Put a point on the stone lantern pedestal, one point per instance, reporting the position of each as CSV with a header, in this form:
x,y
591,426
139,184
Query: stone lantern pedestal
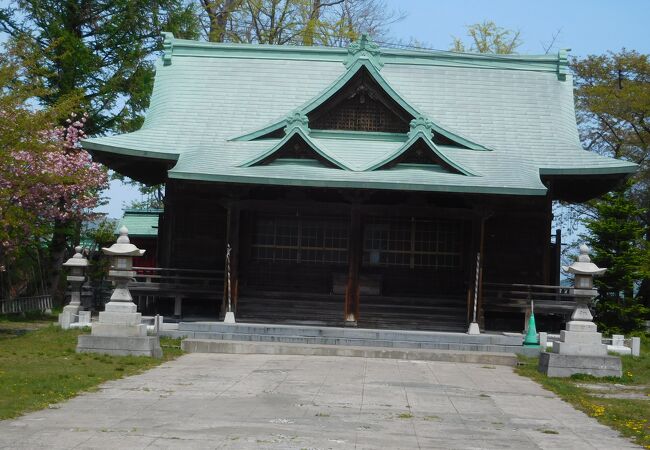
x,y
580,348
119,330
76,278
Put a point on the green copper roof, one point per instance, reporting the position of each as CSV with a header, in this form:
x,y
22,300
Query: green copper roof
x,y
213,105
140,222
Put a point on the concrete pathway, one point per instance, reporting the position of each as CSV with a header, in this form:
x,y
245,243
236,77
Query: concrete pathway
x,y
296,402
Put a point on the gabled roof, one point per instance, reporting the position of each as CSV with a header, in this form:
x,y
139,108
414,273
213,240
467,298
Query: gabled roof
x,y
296,127
421,131
218,110
353,68
140,222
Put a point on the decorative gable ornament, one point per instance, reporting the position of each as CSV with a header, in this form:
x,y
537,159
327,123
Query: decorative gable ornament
x,y
297,120
168,48
563,63
421,125
364,49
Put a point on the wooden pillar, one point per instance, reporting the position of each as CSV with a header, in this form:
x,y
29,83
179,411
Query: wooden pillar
x,y
355,249
232,239
557,257
166,224
547,276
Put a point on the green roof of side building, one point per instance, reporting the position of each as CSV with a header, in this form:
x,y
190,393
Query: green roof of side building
x,y
140,222
217,109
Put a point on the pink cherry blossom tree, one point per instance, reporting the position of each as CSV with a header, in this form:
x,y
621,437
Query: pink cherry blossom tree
x,y
45,178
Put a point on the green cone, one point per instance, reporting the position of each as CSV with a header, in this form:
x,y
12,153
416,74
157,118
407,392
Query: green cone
x,y
531,337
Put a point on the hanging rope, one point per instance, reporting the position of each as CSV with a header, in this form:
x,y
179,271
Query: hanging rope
x,y
478,268
228,249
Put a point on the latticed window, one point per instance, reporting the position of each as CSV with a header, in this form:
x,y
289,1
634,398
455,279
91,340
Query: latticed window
x,y
361,105
361,113
413,243
300,240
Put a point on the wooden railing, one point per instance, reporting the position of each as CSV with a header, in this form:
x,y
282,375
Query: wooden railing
x,y
517,298
173,281
153,283
26,304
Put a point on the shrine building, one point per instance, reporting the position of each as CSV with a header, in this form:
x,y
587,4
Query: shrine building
x,y
359,185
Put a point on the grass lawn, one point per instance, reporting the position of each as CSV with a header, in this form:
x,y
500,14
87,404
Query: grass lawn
x,y
621,403
39,366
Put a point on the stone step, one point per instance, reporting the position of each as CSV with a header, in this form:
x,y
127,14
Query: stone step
x,y
276,348
355,342
348,333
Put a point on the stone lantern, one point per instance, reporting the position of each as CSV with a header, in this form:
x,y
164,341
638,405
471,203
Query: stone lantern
x,y
580,348
584,272
119,330
76,278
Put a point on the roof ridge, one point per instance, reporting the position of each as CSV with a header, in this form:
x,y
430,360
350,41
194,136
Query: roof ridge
x,y
186,47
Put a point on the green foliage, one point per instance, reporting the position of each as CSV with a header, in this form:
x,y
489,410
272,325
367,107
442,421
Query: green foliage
x,y
99,50
487,37
102,235
613,102
612,93
41,368
616,240
620,316
23,237
628,416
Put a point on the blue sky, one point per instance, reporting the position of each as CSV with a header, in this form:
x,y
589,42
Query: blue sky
x,y
585,26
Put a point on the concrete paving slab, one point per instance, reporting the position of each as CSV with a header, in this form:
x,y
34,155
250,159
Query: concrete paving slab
x,y
225,401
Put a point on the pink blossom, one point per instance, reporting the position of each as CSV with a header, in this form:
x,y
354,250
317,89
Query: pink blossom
x,y
39,187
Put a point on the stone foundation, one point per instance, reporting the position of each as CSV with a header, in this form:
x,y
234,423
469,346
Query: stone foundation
x,y
556,365
121,346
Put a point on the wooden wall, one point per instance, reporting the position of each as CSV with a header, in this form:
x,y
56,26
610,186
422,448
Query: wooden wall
x,y
516,237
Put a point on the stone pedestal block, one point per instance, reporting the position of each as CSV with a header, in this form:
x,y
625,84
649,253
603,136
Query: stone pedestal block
x,y
118,318
68,316
577,348
84,318
121,346
557,365
118,330
582,338
473,329
586,327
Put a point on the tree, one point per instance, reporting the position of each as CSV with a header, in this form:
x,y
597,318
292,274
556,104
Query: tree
x,y
612,93
152,196
98,52
44,176
299,22
616,240
99,49
487,37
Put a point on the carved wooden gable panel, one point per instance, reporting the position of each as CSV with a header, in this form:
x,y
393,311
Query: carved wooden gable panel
x,y
361,105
